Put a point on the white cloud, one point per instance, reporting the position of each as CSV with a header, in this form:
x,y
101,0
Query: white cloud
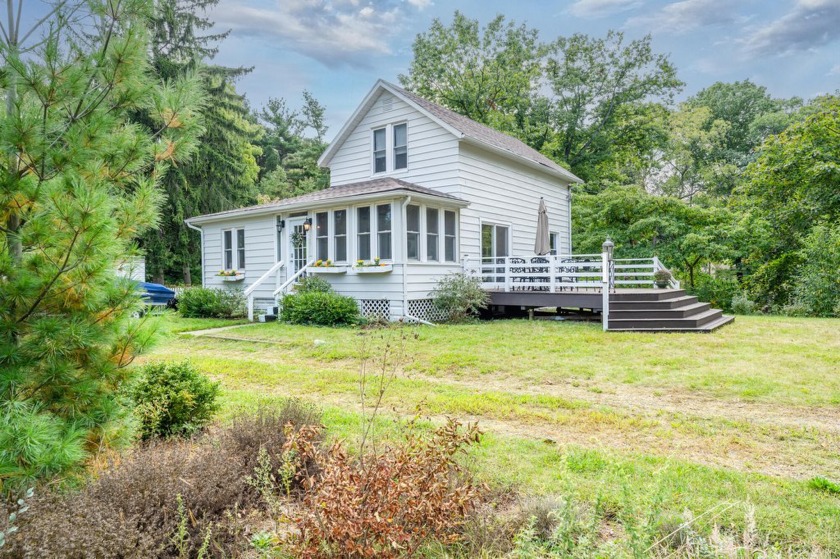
x,y
687,15
335,33
420,4
835,70
601,8
810,24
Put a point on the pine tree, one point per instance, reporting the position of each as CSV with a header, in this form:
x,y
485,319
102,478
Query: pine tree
x,y
78,184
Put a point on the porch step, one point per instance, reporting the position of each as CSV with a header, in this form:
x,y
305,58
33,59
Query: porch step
x,y
647,295
723,320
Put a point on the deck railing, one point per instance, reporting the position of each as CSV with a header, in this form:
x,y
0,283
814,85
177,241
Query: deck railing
x,y
561,272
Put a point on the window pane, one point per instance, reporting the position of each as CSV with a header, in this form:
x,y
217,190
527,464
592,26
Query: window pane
x,y
501,241
432,225
486,241
340,222
432,228
412,216
379,151
322,248
449,248
363,220
383,217
400,147
240,245
322,224
364,246
449,223
413,246
228,249
385,246
341,249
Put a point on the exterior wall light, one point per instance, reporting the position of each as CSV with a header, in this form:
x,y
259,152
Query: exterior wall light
x,y
307,225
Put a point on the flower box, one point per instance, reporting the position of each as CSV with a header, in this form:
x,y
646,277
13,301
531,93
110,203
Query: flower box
x,y
233,278
381,269
328,269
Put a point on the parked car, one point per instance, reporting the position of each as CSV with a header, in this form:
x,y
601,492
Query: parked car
x,y
155,294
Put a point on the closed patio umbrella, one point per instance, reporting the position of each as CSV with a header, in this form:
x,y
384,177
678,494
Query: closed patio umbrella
x,y
542,245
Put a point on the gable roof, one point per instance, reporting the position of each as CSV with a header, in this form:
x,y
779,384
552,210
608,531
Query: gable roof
x,y
384,185
458,125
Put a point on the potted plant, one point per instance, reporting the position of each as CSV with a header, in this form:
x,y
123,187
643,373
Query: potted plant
x,y
327,267
662,278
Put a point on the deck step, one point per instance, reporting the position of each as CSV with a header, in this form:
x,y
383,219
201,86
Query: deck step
x,y
647,295
650,305
691,322
643,312
723,320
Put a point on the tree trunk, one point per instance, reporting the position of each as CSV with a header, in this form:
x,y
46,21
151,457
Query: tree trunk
x,y
187,274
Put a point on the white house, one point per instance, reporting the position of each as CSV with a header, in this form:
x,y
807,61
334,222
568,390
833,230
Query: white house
x,y
413,184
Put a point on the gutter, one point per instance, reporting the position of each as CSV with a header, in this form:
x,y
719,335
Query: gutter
x,y
200,230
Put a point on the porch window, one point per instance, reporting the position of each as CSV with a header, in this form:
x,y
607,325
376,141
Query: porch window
x,y
449,237
400,146
379,158
233,256
432,236
412,228
363,233
322,235
554,243
383,230
340,218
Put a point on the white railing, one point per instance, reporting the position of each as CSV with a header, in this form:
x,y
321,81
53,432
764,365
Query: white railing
x,y
560,272
290,281
249,292
673,283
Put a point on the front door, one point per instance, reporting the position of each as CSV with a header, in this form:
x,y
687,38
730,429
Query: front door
x,y
297,242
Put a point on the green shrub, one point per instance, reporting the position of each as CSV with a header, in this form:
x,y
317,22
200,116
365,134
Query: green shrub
x,y
822,484
202,302
313,284
173,399
459,297
719,290
741,304
322,309
816,289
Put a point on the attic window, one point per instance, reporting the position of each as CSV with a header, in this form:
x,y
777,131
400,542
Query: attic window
x,y
379,144
400,146
390,148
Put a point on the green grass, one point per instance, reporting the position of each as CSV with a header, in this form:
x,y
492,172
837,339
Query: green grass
x,y
170,323
745,417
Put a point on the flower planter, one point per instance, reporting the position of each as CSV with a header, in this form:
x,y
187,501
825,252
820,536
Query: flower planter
x,y
231,279
381,269
328,269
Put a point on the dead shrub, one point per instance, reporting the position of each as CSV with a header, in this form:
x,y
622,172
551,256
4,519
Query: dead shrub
x,y
385,504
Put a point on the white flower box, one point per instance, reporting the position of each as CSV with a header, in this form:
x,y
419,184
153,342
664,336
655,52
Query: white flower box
x,y
381,269
230,279
327,269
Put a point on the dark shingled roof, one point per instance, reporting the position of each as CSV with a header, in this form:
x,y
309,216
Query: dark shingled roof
x,y
482,133
374,186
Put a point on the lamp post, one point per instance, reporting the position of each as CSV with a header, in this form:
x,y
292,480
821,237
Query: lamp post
x,y
606,277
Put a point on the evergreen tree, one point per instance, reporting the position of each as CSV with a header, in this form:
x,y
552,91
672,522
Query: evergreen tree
x,y
78,184
223,173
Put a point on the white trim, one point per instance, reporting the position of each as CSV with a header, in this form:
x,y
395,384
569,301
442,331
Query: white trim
x,y
482,223
234,257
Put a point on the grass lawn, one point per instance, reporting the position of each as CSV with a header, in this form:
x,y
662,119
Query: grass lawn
x,y
728,422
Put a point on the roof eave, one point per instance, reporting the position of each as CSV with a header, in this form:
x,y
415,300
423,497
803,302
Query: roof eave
x,y
319,204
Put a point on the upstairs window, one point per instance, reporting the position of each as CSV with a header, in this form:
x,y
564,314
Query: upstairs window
x,y
401,146
379,156
390,148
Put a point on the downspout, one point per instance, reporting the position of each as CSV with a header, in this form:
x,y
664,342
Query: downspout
x,y
405,256
200,230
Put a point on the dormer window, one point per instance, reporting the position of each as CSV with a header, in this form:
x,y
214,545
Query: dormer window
x,y
390,148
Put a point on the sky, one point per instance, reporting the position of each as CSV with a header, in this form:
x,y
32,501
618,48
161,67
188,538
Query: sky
x,y
337,49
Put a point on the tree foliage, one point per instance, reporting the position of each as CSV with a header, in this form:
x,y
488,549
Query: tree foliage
x,y
79,185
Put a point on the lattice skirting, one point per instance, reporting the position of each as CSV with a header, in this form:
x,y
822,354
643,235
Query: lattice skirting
x,y
375,308
425,309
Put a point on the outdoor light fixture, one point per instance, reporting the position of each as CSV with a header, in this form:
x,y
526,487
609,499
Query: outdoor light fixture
x,y
307,225
281,223
608,247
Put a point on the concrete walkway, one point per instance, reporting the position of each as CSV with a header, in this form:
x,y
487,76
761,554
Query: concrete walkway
x,y
210,331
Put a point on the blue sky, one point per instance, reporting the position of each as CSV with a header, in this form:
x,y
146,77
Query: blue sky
x,y
337,49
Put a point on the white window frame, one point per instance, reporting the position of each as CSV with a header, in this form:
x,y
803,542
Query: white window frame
x,y
456,213
234,246
482,223
389,148
334,236
437,234
554,236
375,210
371,232
318,237
419,233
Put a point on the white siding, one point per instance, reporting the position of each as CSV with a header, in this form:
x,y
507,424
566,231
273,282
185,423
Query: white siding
x,y
422,278
507,193
260,251
432,150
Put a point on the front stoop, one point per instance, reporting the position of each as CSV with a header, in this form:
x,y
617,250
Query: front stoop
x,y
663,310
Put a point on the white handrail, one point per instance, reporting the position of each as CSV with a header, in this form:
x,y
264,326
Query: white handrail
x,y
249,293
292,279
263,277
